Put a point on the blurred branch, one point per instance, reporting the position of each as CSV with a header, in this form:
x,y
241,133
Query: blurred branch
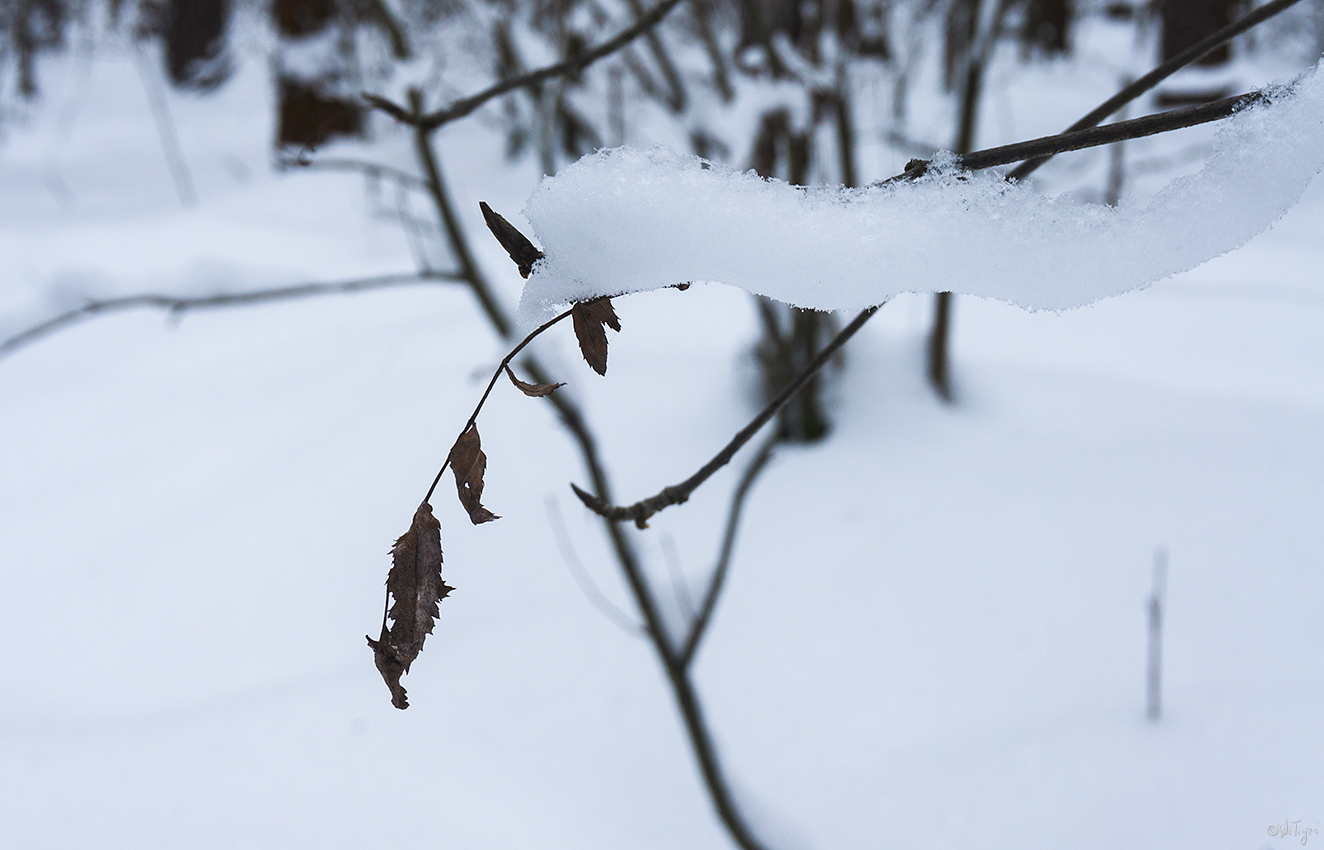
x,y
1161,73
595,596
676,494
382,15
567,67
699,625
369,169
177,305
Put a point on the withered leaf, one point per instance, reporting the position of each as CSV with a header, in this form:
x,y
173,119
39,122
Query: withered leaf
x,y
415,587
469,463
532,390
517,245
591,320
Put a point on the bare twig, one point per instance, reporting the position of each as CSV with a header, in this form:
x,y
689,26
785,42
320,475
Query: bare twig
x,y
496,376
680,587
676,494
165,129
373,170
699,624
182,304
682,688
568,67
1161,73
591,591
676,98
1120,131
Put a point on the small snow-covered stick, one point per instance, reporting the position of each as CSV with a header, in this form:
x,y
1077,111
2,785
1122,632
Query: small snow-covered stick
x,y
640,511
1161,73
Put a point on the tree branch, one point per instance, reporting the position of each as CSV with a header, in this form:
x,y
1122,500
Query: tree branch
x,y
1161,73
182,304
700,622
568,67
1120,131
678,493
368,169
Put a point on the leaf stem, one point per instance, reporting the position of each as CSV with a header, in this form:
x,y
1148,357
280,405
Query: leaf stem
x,y
496,375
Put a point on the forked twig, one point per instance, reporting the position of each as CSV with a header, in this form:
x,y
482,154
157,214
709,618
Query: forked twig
x,y
676,494
718,579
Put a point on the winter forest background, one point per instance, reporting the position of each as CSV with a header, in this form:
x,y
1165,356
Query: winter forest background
x,y
992,578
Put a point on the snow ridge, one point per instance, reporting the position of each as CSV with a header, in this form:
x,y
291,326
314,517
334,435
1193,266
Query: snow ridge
x,y
628,220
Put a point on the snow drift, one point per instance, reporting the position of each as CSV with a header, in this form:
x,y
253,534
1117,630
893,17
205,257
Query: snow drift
x,y
628,220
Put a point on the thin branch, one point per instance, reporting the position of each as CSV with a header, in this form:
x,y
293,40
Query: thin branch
x,y
680,588
700,623
1160,73
677,98
591,591
181,304
165,129
687,699
496,376
567,67
676,494
368,169
1093,137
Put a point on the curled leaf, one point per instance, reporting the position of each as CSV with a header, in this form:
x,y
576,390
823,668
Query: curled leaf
x,y
591,320
517,245
469,463
532,390
414,587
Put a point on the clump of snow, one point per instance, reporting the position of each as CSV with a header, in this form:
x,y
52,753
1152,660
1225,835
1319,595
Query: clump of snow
x,y
628,220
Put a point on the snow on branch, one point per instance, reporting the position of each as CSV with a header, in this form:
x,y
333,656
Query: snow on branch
x,y
627,220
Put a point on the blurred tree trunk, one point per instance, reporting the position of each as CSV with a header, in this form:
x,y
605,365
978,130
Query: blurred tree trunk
x,y
195,43
1184,22
1047,27
315,73
32,25
792,337
965,68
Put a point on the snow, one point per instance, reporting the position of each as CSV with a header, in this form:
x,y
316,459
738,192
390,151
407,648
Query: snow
x,y
628,220
937,642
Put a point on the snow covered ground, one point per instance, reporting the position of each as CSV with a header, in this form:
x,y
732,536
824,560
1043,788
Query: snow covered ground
x,y
934,634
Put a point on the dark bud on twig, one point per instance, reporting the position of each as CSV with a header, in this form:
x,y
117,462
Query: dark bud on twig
x,y
416,586
517,245
591,320
532,390
469,463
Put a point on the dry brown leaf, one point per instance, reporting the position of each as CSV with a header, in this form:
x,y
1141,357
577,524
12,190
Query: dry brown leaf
x,y
469,463
517,245
532,390
591,320
415,587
